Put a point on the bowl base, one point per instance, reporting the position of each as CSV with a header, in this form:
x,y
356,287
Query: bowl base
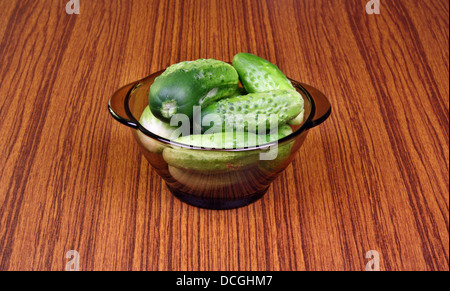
x,y
217,203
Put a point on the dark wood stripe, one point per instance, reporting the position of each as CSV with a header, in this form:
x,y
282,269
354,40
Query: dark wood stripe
x,y
403,157
14,197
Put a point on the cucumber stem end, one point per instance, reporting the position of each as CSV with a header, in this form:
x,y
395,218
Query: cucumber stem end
x,y
169,108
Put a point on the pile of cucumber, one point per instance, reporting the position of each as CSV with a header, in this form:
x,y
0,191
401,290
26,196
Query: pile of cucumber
x,y
265,103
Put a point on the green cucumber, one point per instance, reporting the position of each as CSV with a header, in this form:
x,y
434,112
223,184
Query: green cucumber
x,y
259,75
239,91
228,140
297,120
219,161
283,151
206,161
191,83
252,111
284,130
156,126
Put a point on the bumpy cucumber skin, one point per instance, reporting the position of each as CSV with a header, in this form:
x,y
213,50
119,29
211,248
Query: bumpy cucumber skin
x,y
231,140
191,83
249,110
258,74
219,161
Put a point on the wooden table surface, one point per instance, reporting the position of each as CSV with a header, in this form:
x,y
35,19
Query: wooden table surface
x,y
374,176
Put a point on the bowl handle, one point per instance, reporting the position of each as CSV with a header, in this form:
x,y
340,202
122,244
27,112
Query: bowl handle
x,y
116,106
322,106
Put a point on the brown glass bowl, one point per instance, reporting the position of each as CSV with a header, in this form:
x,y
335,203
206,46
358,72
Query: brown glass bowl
x,y
219,178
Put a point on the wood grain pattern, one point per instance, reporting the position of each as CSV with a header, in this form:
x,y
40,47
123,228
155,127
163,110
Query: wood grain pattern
x,y
372,177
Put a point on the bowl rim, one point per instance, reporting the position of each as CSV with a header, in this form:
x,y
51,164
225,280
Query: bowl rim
x,y
306,125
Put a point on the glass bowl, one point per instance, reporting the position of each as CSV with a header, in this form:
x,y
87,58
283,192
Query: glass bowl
x,y
214,178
